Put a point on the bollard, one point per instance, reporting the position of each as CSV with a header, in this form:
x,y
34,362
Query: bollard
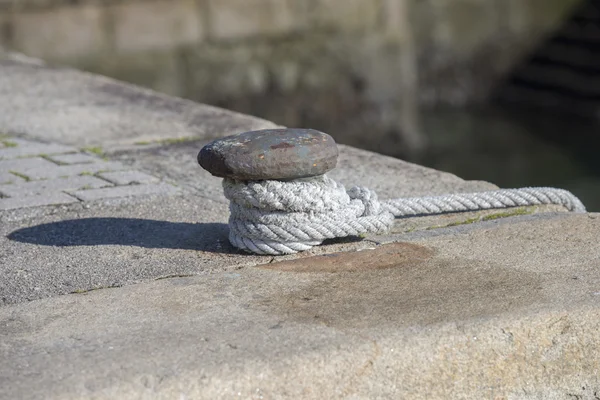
x,y
271,154
281,201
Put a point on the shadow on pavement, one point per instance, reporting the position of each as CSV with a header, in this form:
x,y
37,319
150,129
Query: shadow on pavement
x,y
129,232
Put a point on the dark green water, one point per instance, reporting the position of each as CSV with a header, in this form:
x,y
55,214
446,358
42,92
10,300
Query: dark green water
x,y
515,149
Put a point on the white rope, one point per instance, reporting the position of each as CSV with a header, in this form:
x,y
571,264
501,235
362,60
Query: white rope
x,y
285,217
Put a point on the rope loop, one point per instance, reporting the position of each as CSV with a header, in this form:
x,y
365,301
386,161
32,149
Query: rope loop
x,y
285,217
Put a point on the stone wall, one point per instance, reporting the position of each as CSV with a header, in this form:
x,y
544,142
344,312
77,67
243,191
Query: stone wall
x,y
338,65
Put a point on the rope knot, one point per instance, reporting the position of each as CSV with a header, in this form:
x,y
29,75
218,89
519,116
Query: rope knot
x,y
368,198
283,217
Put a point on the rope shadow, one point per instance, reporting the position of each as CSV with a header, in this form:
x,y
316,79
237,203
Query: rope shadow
x,y
147,233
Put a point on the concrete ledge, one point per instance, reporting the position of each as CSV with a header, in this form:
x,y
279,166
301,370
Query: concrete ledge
x,y
142,296
486,314
73,107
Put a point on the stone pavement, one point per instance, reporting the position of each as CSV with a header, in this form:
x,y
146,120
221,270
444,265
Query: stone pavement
x,y
123,292
39,174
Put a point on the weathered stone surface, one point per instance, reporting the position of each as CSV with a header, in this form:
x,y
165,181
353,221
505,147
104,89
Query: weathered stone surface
x,y
156,25
499,310
505,308
391,255
168,235
270,154
235,19
77,158
23,165
52,186
38,200
73,107
7,177
128,177
59,171
60,33
22,148
125,191
346,14
42,180
459,30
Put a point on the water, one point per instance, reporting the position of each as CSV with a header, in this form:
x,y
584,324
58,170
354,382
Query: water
x,y
514,149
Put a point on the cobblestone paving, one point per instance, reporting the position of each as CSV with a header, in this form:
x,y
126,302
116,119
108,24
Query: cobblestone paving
x,y
38,174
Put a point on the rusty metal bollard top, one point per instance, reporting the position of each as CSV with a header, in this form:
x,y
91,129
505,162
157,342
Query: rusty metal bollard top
x,y
270,154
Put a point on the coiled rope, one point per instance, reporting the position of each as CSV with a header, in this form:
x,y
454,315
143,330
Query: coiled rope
x,y
285,217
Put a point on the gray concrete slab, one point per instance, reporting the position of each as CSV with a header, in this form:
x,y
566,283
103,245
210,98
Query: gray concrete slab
x,y
58,171
74,248
33,188
36,200
36,179
72,107
7,177
125,191
390,177
136,239
24,165
503,310
77,158
128,177
22,148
